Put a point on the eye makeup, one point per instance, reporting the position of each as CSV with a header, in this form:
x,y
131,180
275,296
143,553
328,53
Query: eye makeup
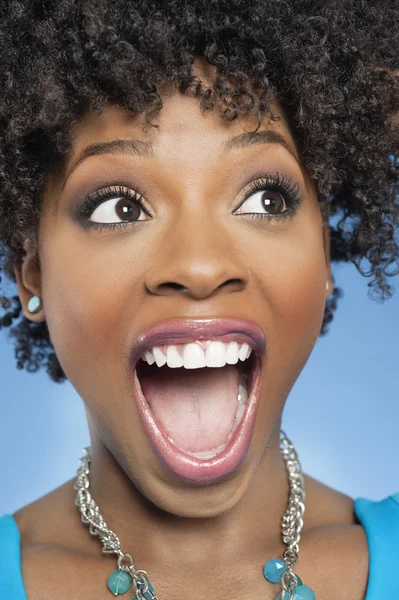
x,y
275,183
94,199
288,189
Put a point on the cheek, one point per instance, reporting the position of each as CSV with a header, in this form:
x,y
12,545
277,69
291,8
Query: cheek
x,y
92,291
89,299
298,290
293,283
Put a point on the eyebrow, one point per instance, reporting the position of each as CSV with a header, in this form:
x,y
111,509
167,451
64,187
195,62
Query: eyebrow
x,y
258,137
132,147
126,147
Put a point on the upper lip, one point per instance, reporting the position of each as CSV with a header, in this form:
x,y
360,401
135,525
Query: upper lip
x,y
183,331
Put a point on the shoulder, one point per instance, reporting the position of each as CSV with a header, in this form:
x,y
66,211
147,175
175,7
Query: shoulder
x,y
380,520
333,548
50,572
53,560
336,560
49,520
30,517
359,537
11,583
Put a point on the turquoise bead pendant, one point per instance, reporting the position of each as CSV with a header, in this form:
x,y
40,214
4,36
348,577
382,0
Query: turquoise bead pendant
x,y
119,582
301,592
273,570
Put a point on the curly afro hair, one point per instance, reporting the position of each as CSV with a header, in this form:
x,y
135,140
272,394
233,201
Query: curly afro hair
x,y
331,65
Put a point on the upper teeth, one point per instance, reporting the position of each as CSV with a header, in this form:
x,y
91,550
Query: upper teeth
x,y
196,355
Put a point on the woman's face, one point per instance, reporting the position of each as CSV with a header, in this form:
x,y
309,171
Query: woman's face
x,y
193,253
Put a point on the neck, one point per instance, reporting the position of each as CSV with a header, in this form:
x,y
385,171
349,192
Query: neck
x,y
253,524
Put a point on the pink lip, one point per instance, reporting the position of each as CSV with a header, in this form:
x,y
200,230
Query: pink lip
x,y
183,465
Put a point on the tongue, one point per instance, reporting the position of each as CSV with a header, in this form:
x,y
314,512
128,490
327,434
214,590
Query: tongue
x,y
195,408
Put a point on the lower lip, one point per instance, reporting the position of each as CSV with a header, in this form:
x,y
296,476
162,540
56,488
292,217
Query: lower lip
x,y
187,467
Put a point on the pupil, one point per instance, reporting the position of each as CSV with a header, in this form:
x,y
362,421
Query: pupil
x,y
124,209
271,202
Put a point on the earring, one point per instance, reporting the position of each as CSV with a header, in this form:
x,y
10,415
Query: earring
x,y
35,304
327,285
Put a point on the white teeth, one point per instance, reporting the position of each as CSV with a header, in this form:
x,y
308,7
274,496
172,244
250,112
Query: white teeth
x,y
173,358
242,403
215,354
242,353
198,354
232,353
193,356
159,356
149,357
240,412
242,394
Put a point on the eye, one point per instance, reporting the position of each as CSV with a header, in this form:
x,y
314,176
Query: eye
x,y
268,200
272,197
113,206
124,209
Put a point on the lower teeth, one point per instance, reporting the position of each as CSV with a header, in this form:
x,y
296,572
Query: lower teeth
x,y
240,412
242,405
242,393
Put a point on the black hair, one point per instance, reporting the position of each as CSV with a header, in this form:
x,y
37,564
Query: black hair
x,y
331,65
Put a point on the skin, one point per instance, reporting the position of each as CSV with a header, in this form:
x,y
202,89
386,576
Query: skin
x,y
100,289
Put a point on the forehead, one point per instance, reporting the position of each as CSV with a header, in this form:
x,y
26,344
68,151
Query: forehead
x,y
182,127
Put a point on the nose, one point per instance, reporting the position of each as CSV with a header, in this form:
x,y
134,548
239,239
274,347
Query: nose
x,y
197,261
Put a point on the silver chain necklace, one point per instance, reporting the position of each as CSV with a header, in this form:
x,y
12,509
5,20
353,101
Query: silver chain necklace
x,y
276,571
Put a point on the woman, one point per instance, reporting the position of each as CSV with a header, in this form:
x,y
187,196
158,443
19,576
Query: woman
x,y
168,171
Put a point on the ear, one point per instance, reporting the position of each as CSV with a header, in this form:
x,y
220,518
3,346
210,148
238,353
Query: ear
x,y
28,277
327,254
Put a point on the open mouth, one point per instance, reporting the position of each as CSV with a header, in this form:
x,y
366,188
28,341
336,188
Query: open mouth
x,y
198,407
197,402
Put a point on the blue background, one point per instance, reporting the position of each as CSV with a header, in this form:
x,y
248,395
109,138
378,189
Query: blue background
x,y
342,414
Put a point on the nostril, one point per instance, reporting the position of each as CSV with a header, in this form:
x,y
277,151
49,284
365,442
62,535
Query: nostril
x,y
173,285
231,285
199,269
236,284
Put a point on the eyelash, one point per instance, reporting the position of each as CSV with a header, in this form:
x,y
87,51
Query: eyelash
x,y
282,184
94,199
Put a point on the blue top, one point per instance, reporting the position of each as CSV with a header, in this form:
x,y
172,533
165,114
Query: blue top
x,y
380,520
